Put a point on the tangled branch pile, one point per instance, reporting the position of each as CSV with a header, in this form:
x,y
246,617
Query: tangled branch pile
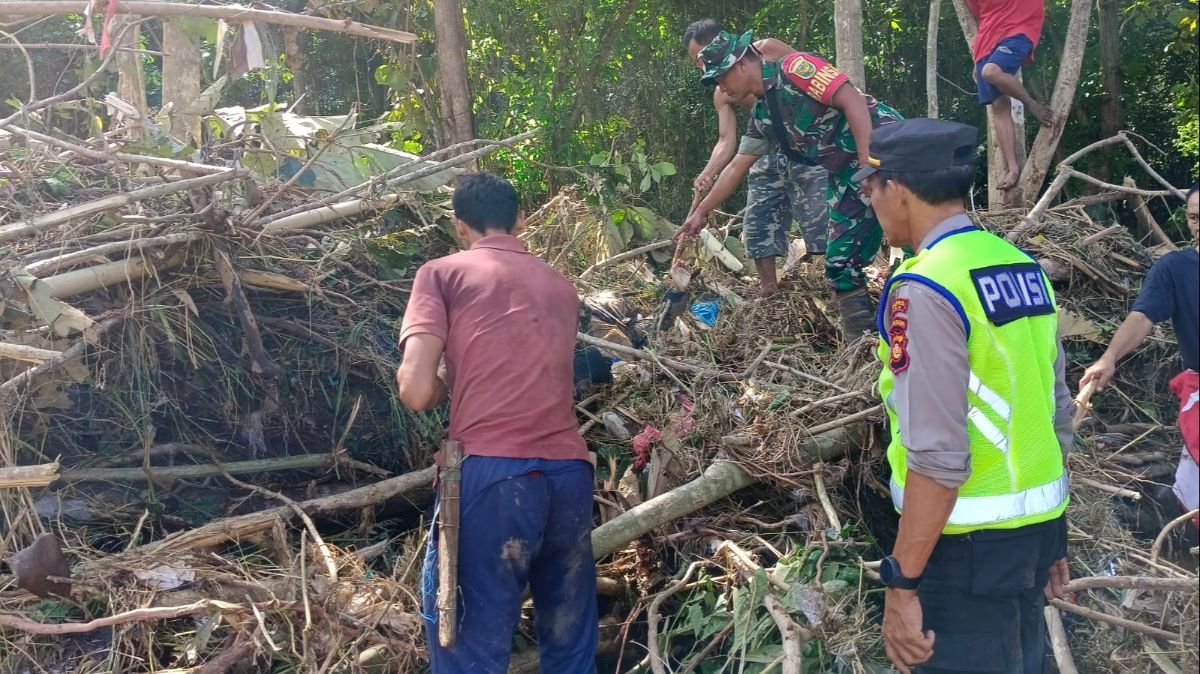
x,y
203,467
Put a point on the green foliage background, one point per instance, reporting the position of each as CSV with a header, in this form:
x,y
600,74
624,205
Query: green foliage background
x,y
610,76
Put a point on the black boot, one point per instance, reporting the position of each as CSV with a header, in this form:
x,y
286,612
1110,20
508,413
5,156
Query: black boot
x,y
858,314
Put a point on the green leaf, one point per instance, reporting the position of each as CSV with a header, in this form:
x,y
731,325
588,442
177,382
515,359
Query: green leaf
x,y
599,159
624,172
646,182
665,168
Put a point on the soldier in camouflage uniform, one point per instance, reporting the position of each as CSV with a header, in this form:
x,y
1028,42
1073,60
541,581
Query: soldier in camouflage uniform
x,y
821,119
779,190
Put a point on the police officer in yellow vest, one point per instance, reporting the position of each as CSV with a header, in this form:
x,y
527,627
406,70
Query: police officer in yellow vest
x,y
980,416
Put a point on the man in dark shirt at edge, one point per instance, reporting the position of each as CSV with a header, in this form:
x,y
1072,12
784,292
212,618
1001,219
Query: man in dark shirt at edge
x,y
1171,291
506,323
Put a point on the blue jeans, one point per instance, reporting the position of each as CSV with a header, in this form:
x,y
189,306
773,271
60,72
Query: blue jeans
x,y
1009,55
523,521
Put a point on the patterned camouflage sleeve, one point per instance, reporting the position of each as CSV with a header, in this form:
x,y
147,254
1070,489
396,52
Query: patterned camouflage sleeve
x,y
754,141
931,374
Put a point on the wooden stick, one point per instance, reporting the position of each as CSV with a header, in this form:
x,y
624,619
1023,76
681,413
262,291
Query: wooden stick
x,y
51,265
1113,620
793,634
1162,535
823,497
657,663
136,615
846,420
450,486
1083,404
300,462
621,257
1107,488
260,361
233,13
14,385
1138,204
234,528
1058,641
28,354
13,477
41,223
193,167
1132,583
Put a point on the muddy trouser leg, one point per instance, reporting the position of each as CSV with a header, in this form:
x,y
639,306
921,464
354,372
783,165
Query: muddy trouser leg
x,y
504,510
562,576
854,234
768,208
809,206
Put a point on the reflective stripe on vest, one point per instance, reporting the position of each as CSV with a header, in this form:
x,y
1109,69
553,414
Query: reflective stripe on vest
x,y
977,510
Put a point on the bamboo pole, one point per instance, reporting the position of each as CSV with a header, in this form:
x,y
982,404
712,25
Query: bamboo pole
x,y
233,13
52,264
139,473
100,155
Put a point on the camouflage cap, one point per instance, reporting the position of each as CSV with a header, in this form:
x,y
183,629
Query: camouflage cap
x,y
719,56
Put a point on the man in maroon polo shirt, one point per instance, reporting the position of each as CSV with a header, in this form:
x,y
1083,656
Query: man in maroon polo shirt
x,y
505,321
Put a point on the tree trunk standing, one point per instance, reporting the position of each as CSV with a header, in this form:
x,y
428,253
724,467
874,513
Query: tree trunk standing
x,y
1047,139
848,34
181,80
131,79
458,124
931,59
1110,67
805,14
997,199
294,59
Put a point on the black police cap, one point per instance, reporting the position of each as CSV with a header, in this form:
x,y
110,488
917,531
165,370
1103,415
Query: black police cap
x,y
918,145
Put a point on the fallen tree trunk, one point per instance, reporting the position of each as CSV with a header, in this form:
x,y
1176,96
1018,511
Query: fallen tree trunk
x,y
232,13
28,354
719,480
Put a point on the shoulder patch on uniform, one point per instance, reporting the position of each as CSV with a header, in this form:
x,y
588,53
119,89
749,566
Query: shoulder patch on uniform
x,y
898,335
803,68
1009,292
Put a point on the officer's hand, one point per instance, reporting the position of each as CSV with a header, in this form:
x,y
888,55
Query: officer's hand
x,y
1101,372
1060,575
691,227
906,644
703,184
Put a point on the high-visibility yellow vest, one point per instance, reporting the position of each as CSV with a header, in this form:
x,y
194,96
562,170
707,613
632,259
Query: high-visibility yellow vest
x,y
1008,311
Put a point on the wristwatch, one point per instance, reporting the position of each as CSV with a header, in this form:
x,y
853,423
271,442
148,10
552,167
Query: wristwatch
x,y
892,576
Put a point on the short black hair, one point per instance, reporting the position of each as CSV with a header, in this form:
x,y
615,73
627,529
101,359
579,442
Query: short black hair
x,y
702,31
1195,189
486,201
935,187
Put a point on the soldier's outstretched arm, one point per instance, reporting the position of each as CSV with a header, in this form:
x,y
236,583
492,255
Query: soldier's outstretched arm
x,y
853,105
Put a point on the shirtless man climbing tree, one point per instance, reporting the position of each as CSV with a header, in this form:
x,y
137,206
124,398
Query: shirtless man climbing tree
x,y
779,190
1008,33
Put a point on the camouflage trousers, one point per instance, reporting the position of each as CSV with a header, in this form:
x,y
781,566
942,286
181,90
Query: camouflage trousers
x,y
781,192
835,217
854,232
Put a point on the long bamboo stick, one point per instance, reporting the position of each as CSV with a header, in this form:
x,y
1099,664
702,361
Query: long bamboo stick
x,y
300,462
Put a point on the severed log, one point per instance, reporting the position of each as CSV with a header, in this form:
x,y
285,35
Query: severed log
x,y
28,476
719,480
87,279
28,354
41,223
234,528
232,13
